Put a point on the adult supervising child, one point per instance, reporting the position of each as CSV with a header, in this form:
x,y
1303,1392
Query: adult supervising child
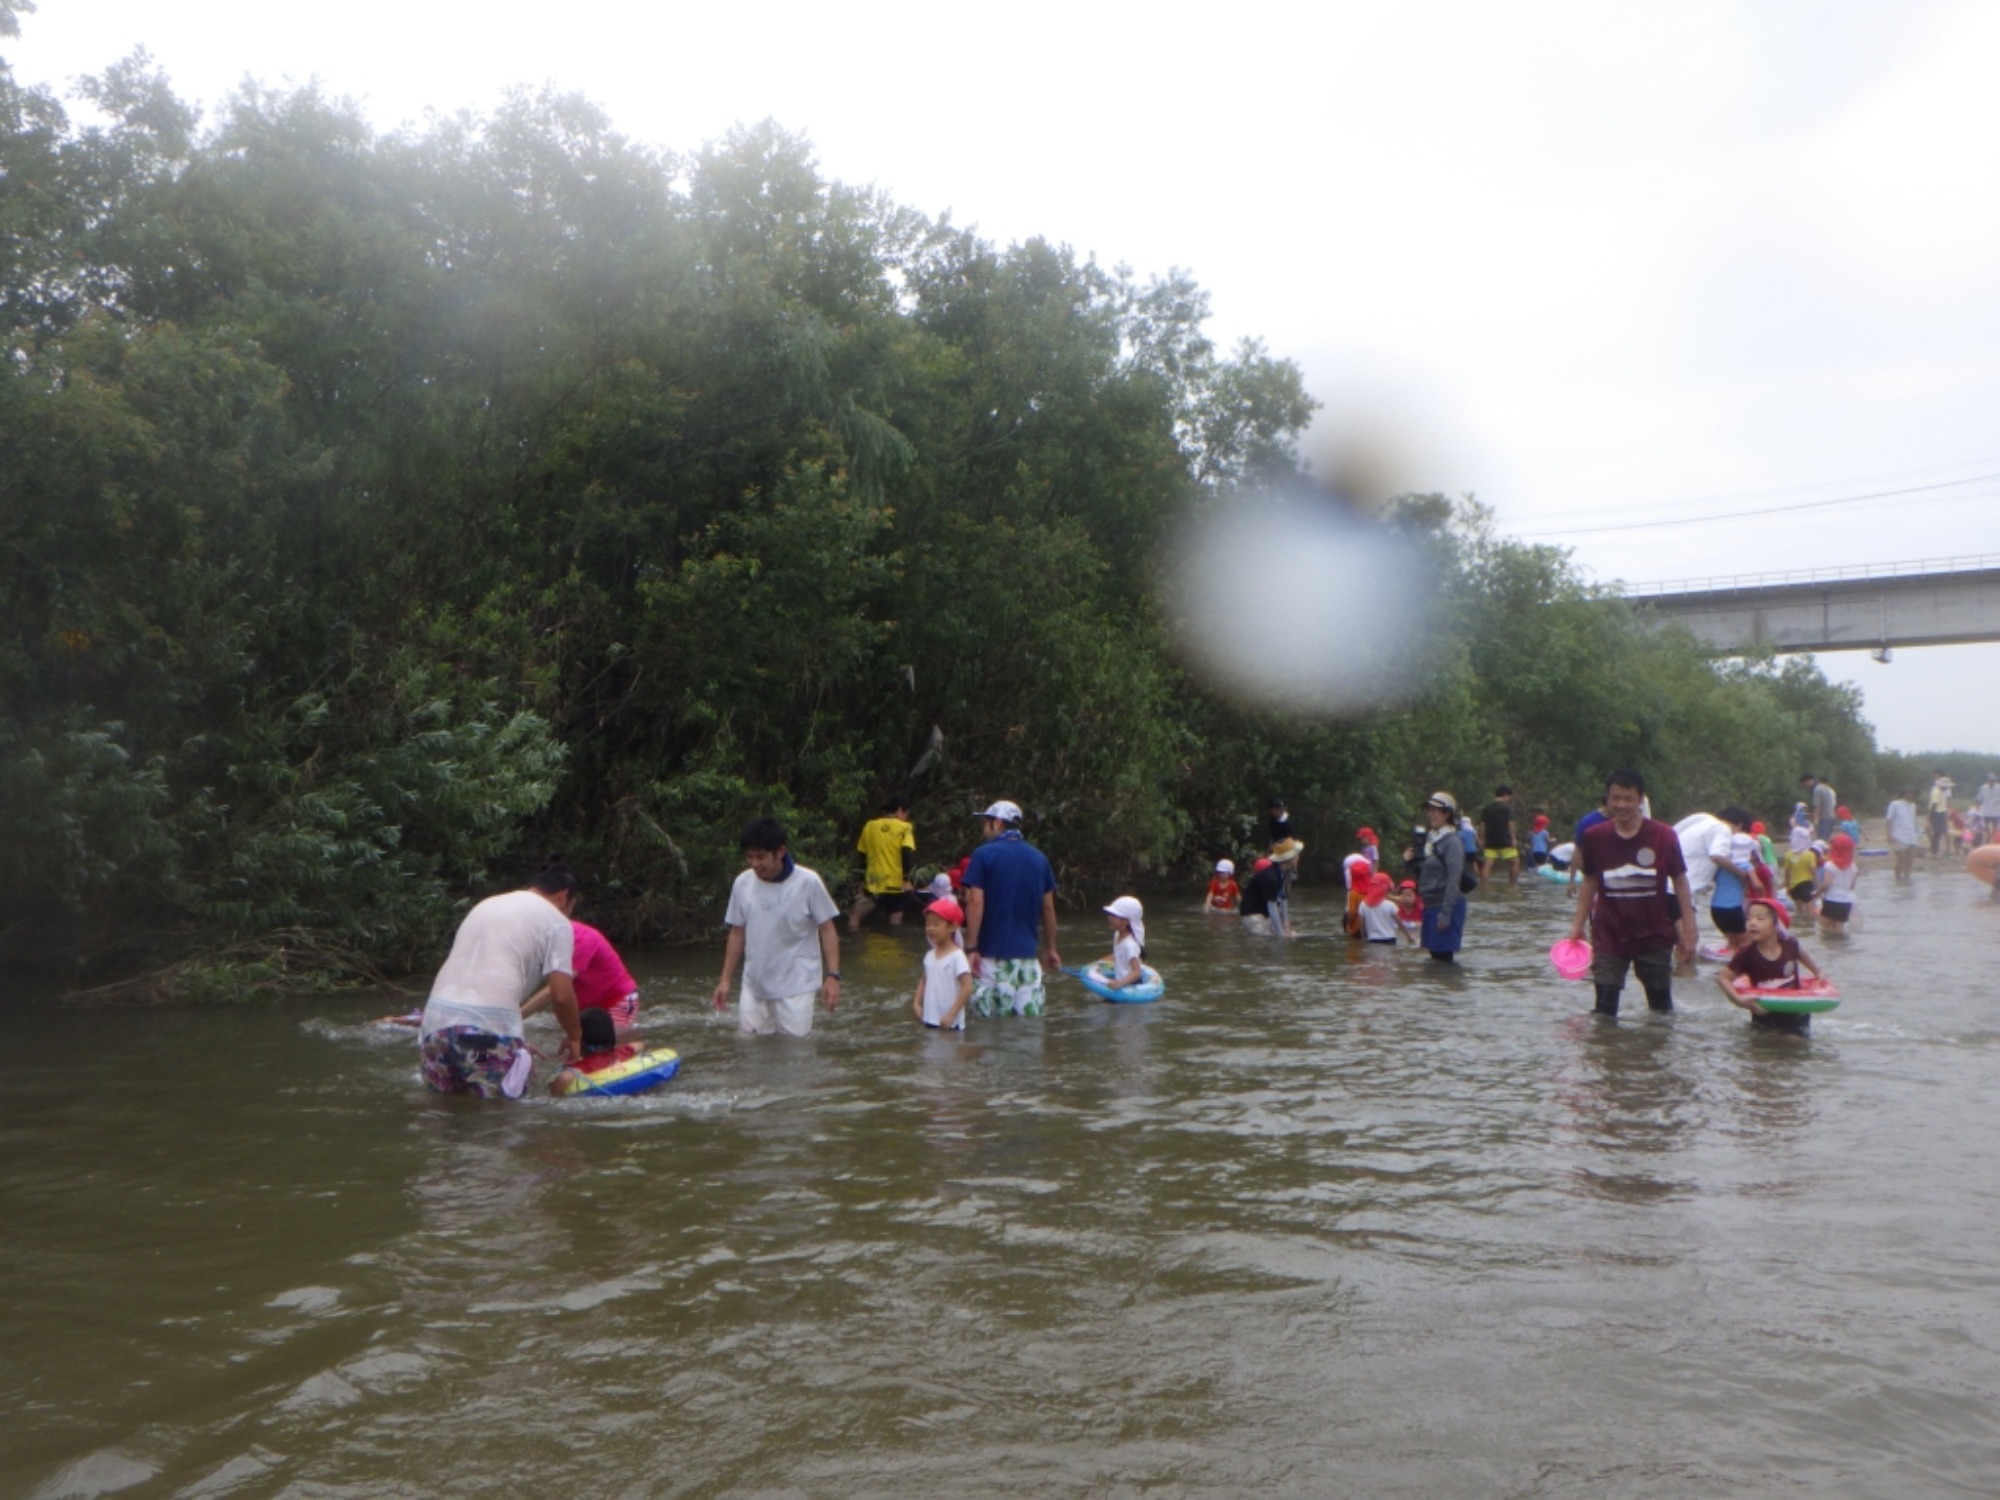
x,y
1630,865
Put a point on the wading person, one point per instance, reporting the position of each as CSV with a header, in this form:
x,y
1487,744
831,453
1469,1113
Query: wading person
x,y
889,844
1010,891
782,933
1496,828
1263,895
1939,805
1901,822
1825,806
601,979
1632,868
507,948
1440,878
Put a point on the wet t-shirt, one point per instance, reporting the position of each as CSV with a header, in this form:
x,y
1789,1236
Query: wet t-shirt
x,y
1634,876
1782,970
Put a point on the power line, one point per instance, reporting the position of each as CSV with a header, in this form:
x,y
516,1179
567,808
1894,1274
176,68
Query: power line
x,y
1769,510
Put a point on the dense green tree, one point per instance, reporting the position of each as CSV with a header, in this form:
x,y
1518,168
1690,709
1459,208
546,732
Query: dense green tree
x,y
380,513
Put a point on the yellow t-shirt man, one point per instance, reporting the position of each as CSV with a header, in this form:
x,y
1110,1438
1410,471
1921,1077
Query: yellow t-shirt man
x,y
883,841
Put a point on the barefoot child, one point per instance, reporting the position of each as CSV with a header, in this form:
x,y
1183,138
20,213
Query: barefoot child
x,y
1837,879
1127,919
945,985
1222,888
1772,957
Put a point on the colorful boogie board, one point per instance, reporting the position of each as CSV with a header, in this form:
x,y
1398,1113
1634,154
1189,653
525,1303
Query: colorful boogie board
x,y
1097,979
644,1070
1809,997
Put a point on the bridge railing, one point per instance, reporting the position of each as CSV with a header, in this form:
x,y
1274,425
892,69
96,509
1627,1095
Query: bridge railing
x,y
1852,573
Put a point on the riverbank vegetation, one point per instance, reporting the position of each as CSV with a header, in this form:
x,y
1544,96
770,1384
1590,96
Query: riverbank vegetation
x,y
381,512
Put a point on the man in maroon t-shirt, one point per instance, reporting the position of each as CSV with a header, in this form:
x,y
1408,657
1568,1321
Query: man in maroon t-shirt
x,y
1627,863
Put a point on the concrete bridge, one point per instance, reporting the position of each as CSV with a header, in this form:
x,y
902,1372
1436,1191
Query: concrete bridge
x,y
1941,602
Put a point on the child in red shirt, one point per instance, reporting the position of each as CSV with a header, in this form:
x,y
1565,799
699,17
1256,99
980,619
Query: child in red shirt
x,y
1222,888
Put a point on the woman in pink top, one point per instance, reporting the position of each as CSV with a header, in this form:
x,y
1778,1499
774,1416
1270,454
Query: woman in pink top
x,y
602,982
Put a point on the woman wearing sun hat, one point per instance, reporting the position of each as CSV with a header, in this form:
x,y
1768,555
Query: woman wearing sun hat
x,y
1440,863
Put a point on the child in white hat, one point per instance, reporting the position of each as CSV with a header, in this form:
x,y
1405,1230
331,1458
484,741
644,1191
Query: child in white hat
x,y
1222,888
1128,941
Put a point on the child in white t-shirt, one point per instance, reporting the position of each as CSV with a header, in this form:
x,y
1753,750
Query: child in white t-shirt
x,y
1127,919
945,984
1378,911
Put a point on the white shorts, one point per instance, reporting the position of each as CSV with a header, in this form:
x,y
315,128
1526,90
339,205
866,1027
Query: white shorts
x,y
791,1016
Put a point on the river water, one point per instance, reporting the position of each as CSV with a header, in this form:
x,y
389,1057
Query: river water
x,y
1325,1221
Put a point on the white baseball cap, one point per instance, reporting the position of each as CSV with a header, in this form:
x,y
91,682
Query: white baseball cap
x,y
1005,811
1225,867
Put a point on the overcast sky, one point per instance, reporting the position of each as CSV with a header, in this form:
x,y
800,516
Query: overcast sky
x,y
1595,264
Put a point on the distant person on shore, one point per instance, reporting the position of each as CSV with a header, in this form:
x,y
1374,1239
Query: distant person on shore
x,y
889,845
602,981
1496,822
1635,898
944,983
1223,891
506,948
1837,880
1825,803
1770,957
1441,871
1901,821
1939,805
1263,895
783,935
1010,892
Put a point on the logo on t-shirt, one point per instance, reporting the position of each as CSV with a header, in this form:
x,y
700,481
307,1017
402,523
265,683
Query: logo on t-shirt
x,y
1646,857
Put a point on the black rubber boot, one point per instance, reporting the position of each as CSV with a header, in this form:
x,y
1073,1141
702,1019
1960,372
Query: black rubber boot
x,y
1607,1000
1659,999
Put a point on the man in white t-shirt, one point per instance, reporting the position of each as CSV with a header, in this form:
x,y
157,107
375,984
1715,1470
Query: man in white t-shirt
x,y
506,949
782,932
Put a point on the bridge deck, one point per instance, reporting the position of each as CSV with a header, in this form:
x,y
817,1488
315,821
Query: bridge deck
x,y
1863,610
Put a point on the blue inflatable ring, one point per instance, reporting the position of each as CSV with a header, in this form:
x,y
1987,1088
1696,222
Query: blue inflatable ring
x,y
1097,979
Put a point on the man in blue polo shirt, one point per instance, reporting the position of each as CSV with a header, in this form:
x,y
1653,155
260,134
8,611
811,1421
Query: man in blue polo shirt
x,y
1010,897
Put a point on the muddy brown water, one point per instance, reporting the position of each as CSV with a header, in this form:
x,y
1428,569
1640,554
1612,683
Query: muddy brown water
x,y
1325,1221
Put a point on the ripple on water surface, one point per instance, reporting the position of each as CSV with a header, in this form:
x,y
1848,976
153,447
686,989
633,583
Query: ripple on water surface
x,y
1323,1221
